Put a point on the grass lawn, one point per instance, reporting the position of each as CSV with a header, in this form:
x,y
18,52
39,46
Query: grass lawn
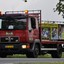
x,y
43,63
41,56
24,56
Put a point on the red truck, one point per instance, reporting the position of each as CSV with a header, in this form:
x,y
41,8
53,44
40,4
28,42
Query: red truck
x,y
21,33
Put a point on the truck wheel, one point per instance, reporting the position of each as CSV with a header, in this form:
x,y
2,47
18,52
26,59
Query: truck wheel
x,y
58,53
34,53
3,55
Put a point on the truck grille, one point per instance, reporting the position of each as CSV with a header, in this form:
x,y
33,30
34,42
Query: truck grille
x,y
14,39
4,39
9,39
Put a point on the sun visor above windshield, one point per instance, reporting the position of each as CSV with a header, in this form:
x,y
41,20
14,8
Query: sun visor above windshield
x,y
15,16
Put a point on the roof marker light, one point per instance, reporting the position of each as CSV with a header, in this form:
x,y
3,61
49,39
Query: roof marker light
x,y
26,11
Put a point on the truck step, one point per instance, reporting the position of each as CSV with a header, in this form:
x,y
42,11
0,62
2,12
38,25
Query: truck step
x,y
49,49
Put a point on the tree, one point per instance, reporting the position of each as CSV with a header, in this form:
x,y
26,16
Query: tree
x,y
25,0
60,7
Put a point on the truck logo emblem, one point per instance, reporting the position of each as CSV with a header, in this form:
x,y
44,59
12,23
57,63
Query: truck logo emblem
x,y
9,33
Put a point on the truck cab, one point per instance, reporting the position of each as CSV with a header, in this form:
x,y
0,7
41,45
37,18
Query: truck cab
x,y
19,33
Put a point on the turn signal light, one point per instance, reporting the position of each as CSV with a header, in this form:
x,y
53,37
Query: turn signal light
x,y
28,46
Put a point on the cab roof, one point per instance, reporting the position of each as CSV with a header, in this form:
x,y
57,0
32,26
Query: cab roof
x,y
15,16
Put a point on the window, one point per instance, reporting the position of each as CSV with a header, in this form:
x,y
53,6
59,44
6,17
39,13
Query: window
x,y
54,33
33,23
45,33
16,24
0,23
49,31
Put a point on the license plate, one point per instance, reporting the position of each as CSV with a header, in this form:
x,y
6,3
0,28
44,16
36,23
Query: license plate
x,y
9,46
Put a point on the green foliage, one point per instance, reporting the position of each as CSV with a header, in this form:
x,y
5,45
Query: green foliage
x,y
25,0
60,7
24,56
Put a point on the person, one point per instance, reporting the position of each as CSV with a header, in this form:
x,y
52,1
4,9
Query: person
x,y
54,33
45,33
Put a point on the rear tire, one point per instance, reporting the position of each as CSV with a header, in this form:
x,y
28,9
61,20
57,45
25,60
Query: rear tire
x,y
34,53
58,53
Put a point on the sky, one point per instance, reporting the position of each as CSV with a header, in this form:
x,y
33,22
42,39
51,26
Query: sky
x,y
46,6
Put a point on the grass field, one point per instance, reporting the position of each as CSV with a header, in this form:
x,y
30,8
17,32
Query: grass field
x,y
43,63
41,56
24,56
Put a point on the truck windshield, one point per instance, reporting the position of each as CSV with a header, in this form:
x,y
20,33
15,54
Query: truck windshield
x,y
16,24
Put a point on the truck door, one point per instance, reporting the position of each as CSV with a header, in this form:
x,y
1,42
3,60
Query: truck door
x,y
33,28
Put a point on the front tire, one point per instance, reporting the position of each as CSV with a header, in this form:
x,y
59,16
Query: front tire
x,y
3,55
34,53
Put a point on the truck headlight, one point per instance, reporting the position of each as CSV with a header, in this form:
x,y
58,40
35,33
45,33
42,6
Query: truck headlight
x,y
23,46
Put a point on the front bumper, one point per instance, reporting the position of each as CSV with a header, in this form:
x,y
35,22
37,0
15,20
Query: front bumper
x,y
13,48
